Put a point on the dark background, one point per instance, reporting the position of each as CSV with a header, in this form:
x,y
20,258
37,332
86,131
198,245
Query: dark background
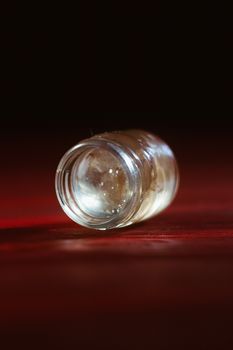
x,y
118,66
70,73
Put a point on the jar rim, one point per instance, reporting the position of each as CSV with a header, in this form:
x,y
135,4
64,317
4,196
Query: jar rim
x,y
64,192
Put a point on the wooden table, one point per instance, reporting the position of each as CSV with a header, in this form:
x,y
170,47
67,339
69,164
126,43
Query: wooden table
x,y
166,283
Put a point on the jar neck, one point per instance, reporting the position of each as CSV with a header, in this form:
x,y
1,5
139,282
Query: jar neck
x,y
131,166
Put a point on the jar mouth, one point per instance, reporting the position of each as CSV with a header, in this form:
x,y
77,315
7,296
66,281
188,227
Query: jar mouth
x,y
98,184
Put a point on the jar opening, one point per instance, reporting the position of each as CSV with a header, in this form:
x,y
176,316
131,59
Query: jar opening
x,y
100,184
97,184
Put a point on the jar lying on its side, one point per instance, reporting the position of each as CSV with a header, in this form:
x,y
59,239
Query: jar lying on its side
x,y
116,179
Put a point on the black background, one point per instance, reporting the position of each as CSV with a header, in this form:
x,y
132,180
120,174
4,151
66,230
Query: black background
x,y
71,73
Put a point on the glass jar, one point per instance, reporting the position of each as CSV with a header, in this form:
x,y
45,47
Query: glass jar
x,y
116,179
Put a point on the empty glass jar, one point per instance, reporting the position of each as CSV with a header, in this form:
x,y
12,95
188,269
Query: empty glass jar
x,y
116,179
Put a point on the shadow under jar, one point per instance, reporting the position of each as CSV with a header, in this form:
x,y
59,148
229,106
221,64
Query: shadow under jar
x,y
116,179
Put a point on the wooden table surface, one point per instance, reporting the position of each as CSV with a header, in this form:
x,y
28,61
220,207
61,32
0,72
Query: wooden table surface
x,y
166,282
